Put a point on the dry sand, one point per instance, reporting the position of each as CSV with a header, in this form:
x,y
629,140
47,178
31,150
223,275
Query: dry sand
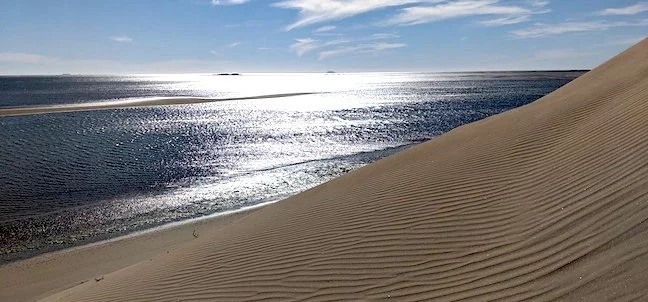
x,y
47,274
130,104
547,201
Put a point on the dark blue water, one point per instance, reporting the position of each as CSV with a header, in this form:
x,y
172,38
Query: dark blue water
x,y
74,178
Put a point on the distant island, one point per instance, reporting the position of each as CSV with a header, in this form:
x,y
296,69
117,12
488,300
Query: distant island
x,y
228,74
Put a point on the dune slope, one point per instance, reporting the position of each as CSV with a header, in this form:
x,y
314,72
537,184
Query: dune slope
x,y
547,201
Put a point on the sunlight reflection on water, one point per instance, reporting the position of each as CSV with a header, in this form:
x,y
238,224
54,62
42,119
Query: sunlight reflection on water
x,y
78,177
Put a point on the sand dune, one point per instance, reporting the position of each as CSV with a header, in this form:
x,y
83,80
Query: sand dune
x,y
547,201
130,104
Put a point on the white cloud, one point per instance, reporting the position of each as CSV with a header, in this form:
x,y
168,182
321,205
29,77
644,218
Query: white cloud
x,y
122,39
339,46
337,42
303,46
542,30
215,53
228,2
13,57
626,11
411,11
505,20
317,11
359,49
233,44
463,8
380,36
325,28
538,3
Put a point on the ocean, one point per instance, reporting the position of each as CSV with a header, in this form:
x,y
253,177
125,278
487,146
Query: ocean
x,y
73,178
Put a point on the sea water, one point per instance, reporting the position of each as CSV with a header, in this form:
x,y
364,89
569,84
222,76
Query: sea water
x,y
73,178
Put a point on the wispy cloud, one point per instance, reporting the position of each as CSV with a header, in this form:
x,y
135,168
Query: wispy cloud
x,y
219,51
13,57
559,54
42,60
380,36
538,3
337,42
228,2
304,45
42,64
373,43
412,11
625,11
542,30
325,28
318,11
122,39
628,41
462,8
506,20
359,49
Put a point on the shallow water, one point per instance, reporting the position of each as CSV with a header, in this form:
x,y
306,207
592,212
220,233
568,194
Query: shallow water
x,y
79,177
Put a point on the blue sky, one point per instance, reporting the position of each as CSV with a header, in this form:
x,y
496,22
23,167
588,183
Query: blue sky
x,y
176,36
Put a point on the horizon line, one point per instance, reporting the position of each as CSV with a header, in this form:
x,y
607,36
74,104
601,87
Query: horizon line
x,y
287,72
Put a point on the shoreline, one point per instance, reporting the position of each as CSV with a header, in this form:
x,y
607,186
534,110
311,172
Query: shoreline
x,y
136,233
107,238
32,110
83,263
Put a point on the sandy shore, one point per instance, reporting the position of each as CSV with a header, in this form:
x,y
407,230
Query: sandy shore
x,y
130,104
547,201
34,278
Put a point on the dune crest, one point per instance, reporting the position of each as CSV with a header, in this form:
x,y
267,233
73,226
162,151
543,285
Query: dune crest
x,y
547,201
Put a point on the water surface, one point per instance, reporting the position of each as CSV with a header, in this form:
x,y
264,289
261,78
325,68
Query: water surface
x,y
78,177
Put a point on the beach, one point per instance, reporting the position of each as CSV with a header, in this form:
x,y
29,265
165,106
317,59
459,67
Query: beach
x,y
547,201
31,279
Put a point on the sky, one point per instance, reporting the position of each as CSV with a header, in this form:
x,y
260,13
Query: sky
x,y
208,36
